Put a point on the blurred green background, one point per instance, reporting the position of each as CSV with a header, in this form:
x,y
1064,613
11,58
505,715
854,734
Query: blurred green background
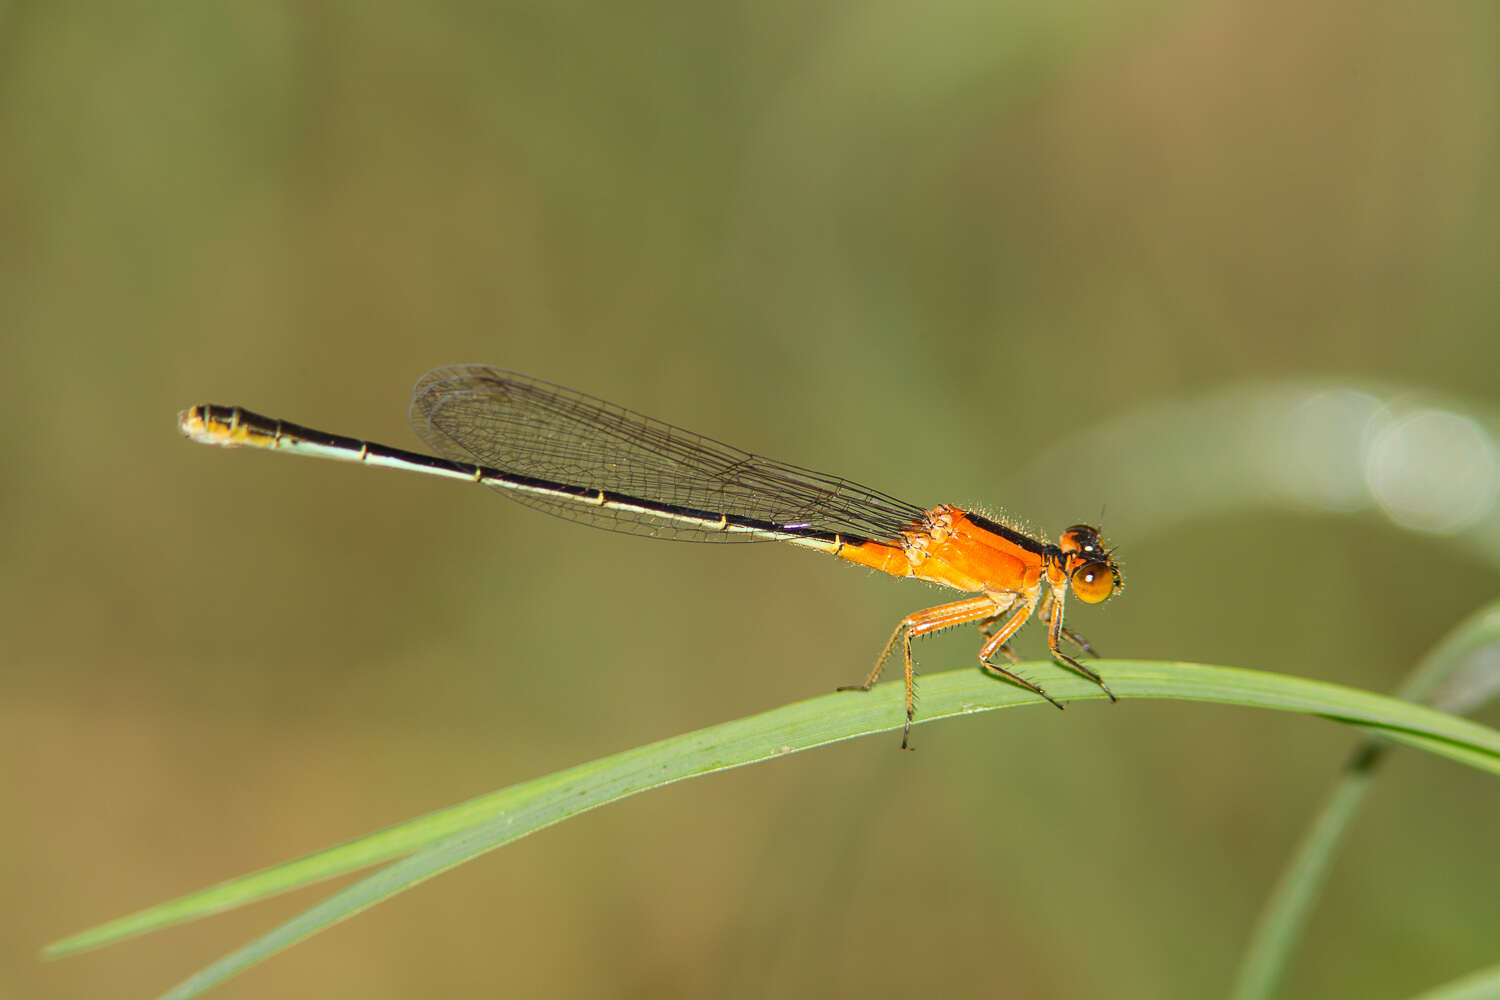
x,y
938,248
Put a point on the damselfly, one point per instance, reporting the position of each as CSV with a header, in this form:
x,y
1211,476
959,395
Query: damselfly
x,y
579,457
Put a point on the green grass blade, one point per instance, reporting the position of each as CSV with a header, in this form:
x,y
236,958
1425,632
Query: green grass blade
x,y
1291,901
1481,985
444,839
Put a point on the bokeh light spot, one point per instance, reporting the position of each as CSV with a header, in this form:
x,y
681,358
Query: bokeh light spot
x,y
1433,471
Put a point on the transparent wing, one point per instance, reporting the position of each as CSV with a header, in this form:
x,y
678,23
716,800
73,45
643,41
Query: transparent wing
x,y
524,426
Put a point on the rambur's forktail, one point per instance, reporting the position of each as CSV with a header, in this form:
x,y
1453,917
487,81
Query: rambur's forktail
x,y
579,457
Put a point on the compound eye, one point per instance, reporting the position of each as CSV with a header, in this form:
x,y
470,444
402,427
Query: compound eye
x,y
1093,582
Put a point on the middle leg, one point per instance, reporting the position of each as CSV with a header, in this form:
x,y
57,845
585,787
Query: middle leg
x,y
997,641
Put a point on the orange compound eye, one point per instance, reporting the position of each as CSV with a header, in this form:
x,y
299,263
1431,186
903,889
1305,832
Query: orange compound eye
x,y
1094,582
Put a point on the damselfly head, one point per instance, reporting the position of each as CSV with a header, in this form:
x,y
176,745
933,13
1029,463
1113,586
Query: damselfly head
x,y
1093,574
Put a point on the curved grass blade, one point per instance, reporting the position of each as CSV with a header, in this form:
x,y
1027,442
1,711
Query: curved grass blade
x,y
445,839
1481,985
1291,901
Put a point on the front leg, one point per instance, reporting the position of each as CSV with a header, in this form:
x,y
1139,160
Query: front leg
x,y
1055,633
